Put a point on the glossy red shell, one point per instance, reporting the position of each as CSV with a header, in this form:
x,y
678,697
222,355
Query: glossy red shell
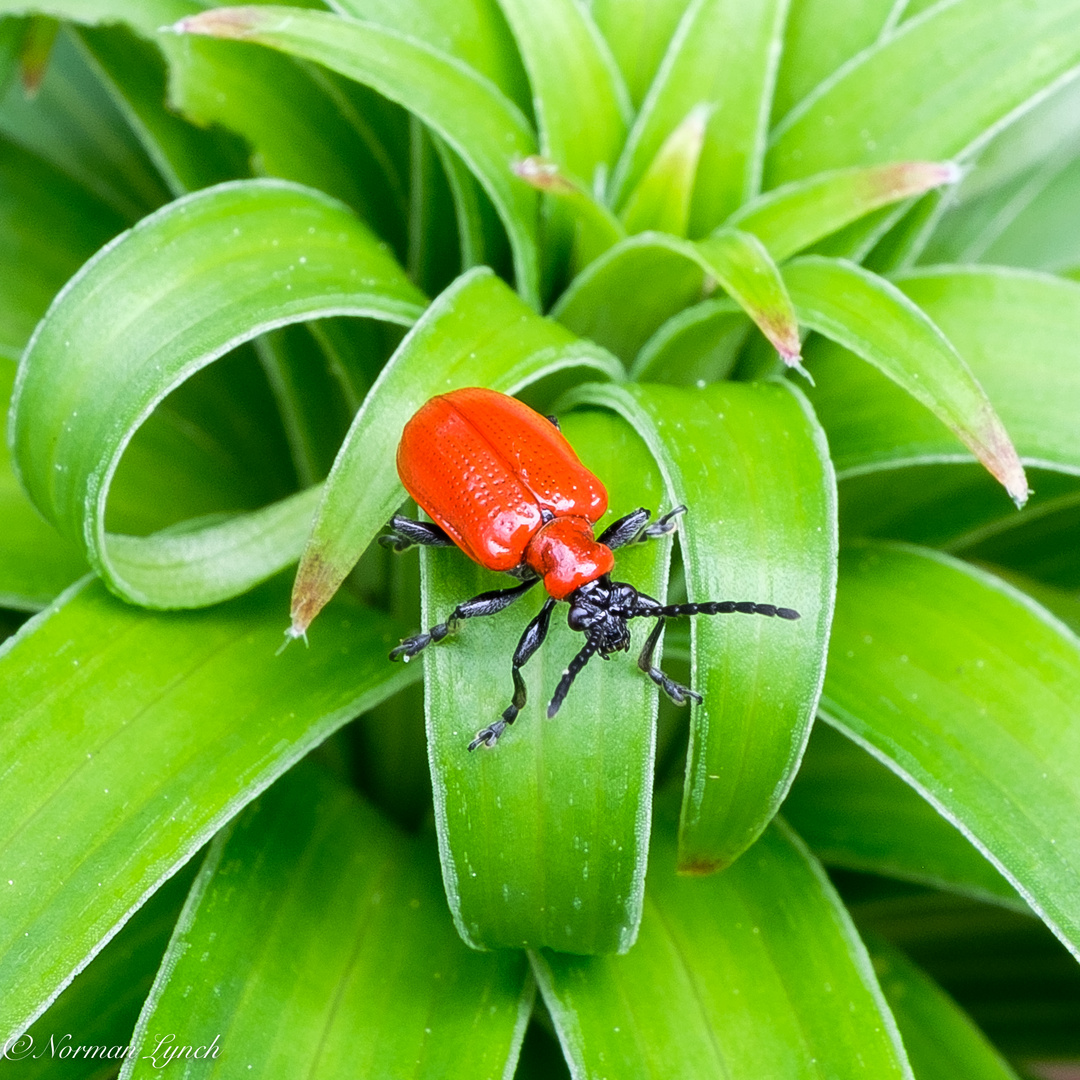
x,y
484,466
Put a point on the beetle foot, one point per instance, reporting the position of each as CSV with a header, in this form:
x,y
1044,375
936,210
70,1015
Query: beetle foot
x,y
489,736
395,542
410,647
678,693
664,525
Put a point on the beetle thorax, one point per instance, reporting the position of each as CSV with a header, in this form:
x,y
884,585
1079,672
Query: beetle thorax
x,y
566,555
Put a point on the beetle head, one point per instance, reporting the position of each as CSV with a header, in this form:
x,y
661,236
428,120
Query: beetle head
x,y
600,609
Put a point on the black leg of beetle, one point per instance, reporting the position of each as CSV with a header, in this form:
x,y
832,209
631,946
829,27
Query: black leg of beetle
x,y
555,421
676,691
485,604
569,675
530,641
405,533
634,528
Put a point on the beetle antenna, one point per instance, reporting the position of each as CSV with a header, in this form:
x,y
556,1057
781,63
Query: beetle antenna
x,y
569,675
725,607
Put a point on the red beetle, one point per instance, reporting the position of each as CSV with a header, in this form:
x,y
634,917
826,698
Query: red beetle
x,y
502,483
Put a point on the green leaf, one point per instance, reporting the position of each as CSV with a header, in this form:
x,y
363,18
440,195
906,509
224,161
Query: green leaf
x,y
620,300
148,16
1042,548
1011,975
638,33
308,397
11,35
871,317
36,563
303,124
661,198
544,837
100,1007
941,1040
948,505
733,454
569,63
472,30
854,813
477,333
968,690
596,228
746,272
820,36
700,344
93,685
133,73
724,56
754,972
991,315
960,70
472,115
791,218
185,285
49,226
34,51
388,988
75,125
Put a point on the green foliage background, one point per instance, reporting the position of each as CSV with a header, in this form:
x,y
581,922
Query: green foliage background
x,y
810,268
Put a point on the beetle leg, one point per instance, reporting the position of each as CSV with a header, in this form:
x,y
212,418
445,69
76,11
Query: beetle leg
x,y
531,640
554,420
405,533
634,528
569,675
676,691
487,603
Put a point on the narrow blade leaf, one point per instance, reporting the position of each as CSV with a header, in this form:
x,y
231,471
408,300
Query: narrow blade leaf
x,y
819,37
183,287
388,988
700,344
969,690
759,969
961,70
791,218
941,1040
638,33
661,199
626,295
872,318
472,30
724,56
992,315
477,333
49,226
92,685
36,562
744,269
483,126
544,837
855,813
743,539
569,63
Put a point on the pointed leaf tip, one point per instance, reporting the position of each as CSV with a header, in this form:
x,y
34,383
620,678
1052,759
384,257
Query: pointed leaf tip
x,y
544,175
238,22
913,177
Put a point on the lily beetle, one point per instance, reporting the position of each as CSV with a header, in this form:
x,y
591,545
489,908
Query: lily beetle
x,y
501,483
